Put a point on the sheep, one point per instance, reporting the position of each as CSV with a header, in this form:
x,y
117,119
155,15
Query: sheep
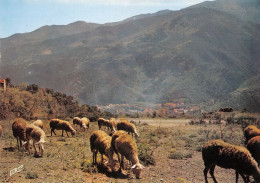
x,y
76,121
101,142
105,122
38,137
113,124
218,152
253,145
124,144
250,132
18,127
127,126
84,122
102,122
61,125
1,130
38,123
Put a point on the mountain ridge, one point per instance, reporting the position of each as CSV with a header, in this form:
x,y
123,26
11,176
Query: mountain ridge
x,y
193,55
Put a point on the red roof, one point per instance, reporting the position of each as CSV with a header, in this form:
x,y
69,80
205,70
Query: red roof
x,y
2,80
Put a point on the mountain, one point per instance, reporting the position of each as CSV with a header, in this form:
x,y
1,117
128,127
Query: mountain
x,y
245,10
195,55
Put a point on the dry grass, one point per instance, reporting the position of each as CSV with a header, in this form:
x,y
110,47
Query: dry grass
x,y
165,150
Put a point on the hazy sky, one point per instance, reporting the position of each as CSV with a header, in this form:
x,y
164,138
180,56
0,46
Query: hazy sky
x,y
19,16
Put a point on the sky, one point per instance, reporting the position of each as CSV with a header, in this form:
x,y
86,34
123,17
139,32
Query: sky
x,y
20,16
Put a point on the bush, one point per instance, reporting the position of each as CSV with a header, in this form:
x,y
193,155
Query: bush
x,y
175,154
87,166
145,155
31,175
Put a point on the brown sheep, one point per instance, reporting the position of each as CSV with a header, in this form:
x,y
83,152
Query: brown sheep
x,y
37,135
113,124
124,144
104,122
101,142
18,127
61,125
76,121
38,123
1,130
220,153
253,146
127,126
250,132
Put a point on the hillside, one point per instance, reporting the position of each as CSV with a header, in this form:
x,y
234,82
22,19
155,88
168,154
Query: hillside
x,y
32,102
194,55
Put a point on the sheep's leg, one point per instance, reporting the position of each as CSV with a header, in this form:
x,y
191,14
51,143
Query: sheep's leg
x,y
35,153
242,175
17,142
205,173
102,159
67,133
122,163
62,133
21,144
212,173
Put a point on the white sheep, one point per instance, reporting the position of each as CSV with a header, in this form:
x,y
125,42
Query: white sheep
x,y
220,153
101,142
84,122
38,123
127,126
37,135
18,127
61,125
124,144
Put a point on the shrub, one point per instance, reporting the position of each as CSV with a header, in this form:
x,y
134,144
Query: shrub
x,y
175,154
31,175
145,155
87,166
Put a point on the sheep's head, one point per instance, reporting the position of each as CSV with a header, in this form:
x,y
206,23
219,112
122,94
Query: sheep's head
x,y
73,132
137,168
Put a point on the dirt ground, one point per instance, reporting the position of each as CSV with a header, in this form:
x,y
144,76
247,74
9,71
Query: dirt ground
x,y
63,156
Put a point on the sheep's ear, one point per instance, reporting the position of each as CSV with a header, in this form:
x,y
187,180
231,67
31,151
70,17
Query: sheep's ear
x,y
24,142
142,166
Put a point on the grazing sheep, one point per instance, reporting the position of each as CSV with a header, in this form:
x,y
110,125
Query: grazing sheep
x,y
250,132
104,122
124,144
1,130
218,152
38,123
18,127
253,146
76,121
113,123
37,135
61,125
84,122
127,126
101,142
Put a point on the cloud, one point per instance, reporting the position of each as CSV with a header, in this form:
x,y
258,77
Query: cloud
x,y
169,3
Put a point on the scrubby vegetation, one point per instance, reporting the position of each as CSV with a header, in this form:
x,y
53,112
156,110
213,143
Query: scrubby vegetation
x,y
31,102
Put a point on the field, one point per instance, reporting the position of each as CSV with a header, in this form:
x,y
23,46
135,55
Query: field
x,y
169,149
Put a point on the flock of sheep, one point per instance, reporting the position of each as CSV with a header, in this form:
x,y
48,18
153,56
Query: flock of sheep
x,y
244,160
